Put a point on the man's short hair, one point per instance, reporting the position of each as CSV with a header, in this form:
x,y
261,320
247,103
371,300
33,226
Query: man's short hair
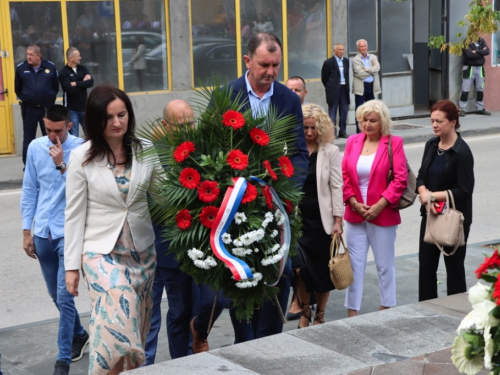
x,y
361,40
257,39
70,51
56,113
35,48
298,78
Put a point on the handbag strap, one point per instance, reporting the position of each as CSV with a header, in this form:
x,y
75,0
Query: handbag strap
x,y
428,226
335,245
389,149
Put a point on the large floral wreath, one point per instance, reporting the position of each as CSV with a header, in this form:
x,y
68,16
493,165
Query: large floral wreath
x,y
231,214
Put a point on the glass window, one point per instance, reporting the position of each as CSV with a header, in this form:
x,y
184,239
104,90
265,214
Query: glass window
x,y
258,16
495,41
396,46
144,46
307,27
37,23
214,41
91,29
362,23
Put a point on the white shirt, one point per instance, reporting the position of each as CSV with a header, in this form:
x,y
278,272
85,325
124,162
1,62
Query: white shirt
x,y
363,168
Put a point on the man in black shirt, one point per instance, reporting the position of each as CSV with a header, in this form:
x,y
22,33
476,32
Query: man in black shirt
x,y
473,72
75,80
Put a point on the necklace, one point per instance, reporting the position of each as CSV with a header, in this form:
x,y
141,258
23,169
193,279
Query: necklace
x,y
440,151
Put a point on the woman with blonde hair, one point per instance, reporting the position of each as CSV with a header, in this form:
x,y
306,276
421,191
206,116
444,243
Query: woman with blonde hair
x,y
322,210
373,217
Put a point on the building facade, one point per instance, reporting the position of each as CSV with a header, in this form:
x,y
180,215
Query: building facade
x,y
188,41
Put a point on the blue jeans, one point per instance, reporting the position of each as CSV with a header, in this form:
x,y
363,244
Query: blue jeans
x,y
177,284
267,321
76,118
50,253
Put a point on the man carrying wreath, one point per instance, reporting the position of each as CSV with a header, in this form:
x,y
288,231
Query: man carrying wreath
x,y
260,90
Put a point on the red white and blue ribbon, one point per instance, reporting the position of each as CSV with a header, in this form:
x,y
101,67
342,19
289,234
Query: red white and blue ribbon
x,y
229,207
285,228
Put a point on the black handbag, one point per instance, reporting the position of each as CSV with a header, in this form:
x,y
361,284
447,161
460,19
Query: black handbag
x,y
298,260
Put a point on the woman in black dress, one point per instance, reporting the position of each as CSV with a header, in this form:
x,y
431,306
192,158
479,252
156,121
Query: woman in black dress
x,y
321,209
447,164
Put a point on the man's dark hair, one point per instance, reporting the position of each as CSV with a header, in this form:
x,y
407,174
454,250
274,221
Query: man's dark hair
x,y
298,78
56,113
256,40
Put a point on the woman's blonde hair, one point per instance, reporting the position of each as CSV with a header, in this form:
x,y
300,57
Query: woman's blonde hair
x,y
378,107
322,121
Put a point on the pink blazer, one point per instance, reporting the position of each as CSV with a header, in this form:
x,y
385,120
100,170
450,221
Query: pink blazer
x,y
377,185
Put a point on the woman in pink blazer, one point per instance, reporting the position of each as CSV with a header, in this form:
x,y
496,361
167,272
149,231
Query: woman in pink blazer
x,y
321,209
372,219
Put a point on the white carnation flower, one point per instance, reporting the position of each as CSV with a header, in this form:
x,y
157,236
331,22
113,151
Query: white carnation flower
x,y
210,262
195,254
240,217
478,293
237,242
226,238
280,218
241,252
250,282
274,233
201,264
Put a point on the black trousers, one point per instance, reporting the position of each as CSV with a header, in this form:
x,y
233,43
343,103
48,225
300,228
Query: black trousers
x,y
428,258
32,117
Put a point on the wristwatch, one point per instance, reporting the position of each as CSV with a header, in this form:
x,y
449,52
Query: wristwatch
x,y
61,167
433,198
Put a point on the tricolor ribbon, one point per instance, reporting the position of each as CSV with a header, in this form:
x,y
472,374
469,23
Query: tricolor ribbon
x,y
229,207
285,228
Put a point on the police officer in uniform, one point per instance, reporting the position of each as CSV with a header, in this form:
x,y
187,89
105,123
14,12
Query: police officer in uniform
x,y
36,85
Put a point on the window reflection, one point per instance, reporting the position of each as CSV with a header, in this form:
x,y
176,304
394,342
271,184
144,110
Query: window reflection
x,y
37,23
144,47
91,27
307,47
214,41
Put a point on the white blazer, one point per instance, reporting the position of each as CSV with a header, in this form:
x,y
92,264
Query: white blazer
x,y
329,181
95,210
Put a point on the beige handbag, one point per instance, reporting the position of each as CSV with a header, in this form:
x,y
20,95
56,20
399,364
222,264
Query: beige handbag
x,y
446,229
340,264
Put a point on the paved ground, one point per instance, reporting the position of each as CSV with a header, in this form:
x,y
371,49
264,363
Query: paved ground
x,y
32,349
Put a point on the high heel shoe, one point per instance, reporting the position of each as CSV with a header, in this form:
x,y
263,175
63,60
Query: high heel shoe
x,y
306,313
319,317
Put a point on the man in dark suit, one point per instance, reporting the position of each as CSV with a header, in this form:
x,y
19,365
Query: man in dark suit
x,y
335,78
260,91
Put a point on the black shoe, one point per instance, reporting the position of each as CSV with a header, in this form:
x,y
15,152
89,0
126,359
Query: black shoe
x,y
292,316
61,368
343,136
462,113
80,344
483,112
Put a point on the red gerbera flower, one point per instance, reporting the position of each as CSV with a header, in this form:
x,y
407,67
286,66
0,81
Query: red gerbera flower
x,y
286,166
233,119
494,261
237,160
270,171
182,152
288,206
259,136
208,215
269,198
483,268
189,178
496,291
183,219
208,191
250,194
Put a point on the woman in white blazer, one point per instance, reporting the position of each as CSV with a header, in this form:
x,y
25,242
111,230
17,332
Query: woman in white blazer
x,y
110,235
321,209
